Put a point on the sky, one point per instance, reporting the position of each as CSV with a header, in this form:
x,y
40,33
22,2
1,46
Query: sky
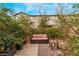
x,y
33,8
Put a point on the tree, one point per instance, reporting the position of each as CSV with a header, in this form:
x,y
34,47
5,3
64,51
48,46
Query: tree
x,y
25,24
63,20
10,30
5,19
70,21
43,22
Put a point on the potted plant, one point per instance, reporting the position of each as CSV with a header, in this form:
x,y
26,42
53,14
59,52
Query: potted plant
x,y
19,43
18,33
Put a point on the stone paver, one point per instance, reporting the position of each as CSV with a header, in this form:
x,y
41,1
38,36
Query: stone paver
x,y
28,50
38,50
43,50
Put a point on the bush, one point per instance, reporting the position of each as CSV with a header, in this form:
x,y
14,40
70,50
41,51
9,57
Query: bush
x,y
10,31
38,31
6,41
74,46
54,33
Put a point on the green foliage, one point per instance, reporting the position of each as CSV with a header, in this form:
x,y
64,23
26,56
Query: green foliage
x,y
67,22
36,31
25,24
6,40
10,30
74,45
76,6
55,33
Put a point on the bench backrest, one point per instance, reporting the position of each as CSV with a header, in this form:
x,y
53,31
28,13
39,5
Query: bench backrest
x,y
39,36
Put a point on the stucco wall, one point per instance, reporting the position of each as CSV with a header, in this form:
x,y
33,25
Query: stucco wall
x,y
35,19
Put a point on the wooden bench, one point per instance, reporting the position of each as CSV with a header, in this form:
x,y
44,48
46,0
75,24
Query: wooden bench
x,y
39,38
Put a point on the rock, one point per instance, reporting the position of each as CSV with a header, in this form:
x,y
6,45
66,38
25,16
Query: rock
x,y
62,44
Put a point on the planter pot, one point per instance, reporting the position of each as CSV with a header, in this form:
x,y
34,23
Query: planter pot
x,y
9,53
19,47
2,50
13,46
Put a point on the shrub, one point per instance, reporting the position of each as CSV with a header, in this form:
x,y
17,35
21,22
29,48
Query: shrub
x,y
74,46
38,31
54,33
6,41
10,30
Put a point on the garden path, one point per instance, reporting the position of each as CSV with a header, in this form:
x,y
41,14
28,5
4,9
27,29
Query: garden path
x,y
28,50
38,50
